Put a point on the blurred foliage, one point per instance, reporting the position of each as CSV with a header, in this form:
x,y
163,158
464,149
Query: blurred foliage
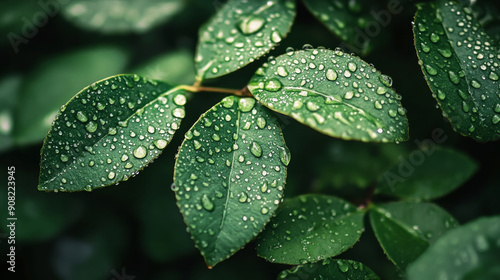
x,y
135,228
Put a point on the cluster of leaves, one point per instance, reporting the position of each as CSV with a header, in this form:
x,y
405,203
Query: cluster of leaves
x,y
231,168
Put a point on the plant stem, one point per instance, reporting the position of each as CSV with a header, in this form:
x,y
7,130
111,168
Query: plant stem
x,y
197,87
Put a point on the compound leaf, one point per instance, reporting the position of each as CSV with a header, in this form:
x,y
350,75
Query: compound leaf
x,y
335,93
330,269
427,173
120,16
229,176
461,65
309,228
468,252
109,131
405,229
241,32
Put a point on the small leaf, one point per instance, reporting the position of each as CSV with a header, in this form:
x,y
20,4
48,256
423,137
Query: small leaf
x,y
470,252
241,32
309,228
109,131
461,65
334,93
229,176
330,269
350,21
405,229
120,16
427,173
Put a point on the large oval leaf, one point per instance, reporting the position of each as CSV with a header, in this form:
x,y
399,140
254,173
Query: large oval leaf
x,y
241,32
461,65
229,176
120,16
334,93
469,252
309,228
405,229
330,269
108,132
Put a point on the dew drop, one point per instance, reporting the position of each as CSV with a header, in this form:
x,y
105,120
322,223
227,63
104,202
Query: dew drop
x,y
273,85
207,203
431,70
179,113
160,144
311,106
276,37
331,74
282,71
91,127
256,149
64,158
180,99
246,104
493,76
475,84
140,152
251,24
434,37
285,156
81,116
453,77
261,122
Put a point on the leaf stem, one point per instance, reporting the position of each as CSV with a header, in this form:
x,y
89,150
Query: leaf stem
x,y
197,87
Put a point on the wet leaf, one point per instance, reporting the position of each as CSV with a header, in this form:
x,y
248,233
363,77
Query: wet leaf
x,y
55,81
229,176
405,229
427,173
109,131
334,93
471,251
9,92
350,19
120,16
461,65
330,269
309,228
241,32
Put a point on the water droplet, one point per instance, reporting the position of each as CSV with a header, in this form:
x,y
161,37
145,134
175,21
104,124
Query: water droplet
x,y
493,76
243,197
264,211
179,113
261,122
91,127
343,266
140,152
431,70
207,203
275,37
285,156
256,149
386,80
331,74
453,77
425,48
64,158
441,95
160,144
349,95
251,24
81,116
445,52
246,104
495,119
282,71
273,85
180,99
352,66
381,90
475,84
434,37
497,108
111,175
311,106
216,137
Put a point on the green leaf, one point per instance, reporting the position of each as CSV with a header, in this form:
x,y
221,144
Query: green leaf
x,y
9,92
350,19
175,67
461,65
335,93
405,229
427,173
54,82
109,131
330,269
469,252
229,176
309,228
120,16
241,32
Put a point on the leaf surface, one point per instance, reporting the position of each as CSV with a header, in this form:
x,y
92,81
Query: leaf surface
x,y
229,176
239,33
461,64
309,228
333,92
330,269
109,131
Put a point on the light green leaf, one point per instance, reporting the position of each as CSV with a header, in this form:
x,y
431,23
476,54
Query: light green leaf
x,y
469,252
109,131
461,65
229,176
176,67
120,16
335,93
241,32
9,92
309,228
350,19
427,173
55,81
405,229
330,269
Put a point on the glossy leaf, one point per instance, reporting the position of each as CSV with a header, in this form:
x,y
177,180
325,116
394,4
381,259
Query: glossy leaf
x,y
309,228
109,131
469,252
120,16
55,81
330,269
241,32
9,92
229,176
335,93
405,229
351,20
461,65
427,173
